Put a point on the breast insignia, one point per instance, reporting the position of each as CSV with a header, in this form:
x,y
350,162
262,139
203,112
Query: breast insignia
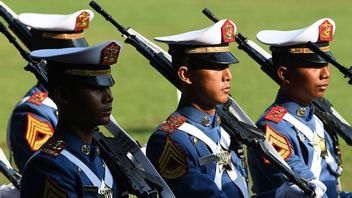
x,y
172,124
172,161
276,114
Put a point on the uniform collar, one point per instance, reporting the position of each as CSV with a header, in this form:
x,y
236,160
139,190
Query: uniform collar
x,y
76,145
198,116
303,112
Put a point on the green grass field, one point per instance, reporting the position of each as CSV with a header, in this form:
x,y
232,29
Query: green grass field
x,y
143,98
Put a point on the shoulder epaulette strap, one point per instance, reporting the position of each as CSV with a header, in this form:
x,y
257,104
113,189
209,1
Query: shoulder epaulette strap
x,y
276,114
172,123
53,147
38,97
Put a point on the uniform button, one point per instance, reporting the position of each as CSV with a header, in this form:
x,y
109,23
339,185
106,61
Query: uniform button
x,y
195,140
97,151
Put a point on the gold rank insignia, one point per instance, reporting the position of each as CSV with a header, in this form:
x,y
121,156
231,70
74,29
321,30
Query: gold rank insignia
x,y
38,97
110,54
52,190
172,161
172,124
228,32
276,114
326,31
37,132
82,21
279,142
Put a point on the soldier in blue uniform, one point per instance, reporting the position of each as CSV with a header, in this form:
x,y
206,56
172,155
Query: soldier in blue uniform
x,y
190,149
69,163
290,124
34,118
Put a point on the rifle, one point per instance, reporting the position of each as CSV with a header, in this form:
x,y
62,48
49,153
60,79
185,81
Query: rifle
x,y
122,154
13,176
20,29
240,128
323,109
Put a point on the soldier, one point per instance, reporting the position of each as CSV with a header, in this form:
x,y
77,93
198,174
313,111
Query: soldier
x,y
190,149
69,163
289,123
34,118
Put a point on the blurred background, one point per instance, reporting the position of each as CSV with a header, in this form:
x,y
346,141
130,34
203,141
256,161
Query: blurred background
x,y
143,98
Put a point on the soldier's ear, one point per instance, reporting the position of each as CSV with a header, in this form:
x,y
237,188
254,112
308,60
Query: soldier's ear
x,y
184,74
60,95
282,72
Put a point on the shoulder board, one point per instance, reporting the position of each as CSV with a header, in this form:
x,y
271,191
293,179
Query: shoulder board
x,y
276,114
279,142
53,147
38,97
172,124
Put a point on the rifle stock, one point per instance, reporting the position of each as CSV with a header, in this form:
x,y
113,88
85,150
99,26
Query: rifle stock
x,y
239,131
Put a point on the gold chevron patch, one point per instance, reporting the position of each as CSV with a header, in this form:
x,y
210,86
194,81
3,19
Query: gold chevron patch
x,y
279,142
53,191
38,132
172,162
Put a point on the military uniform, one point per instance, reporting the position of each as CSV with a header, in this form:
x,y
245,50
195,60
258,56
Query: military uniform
x,y
296,133
190,149
32,123
308,151
66,166
184,150
34,118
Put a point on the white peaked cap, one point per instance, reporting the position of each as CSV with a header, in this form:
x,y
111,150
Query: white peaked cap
x,y
209,36
93,55
312,33
58,22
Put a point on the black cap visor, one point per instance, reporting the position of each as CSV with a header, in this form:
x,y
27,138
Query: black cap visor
x,y
222,58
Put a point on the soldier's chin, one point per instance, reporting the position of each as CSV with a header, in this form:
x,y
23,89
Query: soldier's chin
x,y
104,120
224,99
